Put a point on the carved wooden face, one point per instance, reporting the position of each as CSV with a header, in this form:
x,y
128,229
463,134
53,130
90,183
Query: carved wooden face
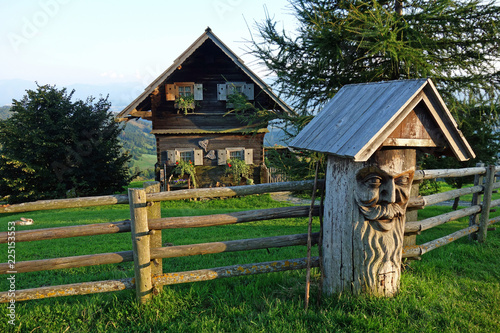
x,y
381,196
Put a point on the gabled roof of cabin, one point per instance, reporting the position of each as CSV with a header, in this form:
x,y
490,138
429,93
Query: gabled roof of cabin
x,y
361,118
207,35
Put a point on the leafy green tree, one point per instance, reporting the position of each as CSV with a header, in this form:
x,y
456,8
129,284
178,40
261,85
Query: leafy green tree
x,y
52,146
339,42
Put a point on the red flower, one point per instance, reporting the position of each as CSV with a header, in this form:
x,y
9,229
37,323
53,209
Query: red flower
x,y
229,165
177,162
190,162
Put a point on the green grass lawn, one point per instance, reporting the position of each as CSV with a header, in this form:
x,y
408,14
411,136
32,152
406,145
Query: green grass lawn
x,y
453,288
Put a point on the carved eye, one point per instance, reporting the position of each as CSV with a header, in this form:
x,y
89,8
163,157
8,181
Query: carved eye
x,y
373,181
402,181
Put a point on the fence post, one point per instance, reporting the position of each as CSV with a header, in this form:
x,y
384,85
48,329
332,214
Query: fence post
x,y
154,212
412,216
140,242
476,200
485,209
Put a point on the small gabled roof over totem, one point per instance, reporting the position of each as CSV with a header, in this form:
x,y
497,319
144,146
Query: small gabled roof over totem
x,y
362,118
207,35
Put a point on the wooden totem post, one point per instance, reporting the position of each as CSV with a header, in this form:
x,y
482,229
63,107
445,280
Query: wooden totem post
x,y
371,133
365,206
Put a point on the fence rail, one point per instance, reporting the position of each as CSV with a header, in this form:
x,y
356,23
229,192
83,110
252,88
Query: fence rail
x,y
146,225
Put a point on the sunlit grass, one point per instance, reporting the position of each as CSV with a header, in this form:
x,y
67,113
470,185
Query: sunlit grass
x,y
454,288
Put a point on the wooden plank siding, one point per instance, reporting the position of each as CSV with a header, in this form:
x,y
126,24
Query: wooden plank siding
x,y
215,142
208,66
208,122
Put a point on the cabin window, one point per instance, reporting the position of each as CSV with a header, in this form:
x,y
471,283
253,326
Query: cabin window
x,y
245,154
236,154
178,89
185,90
229,88
236,88
185,154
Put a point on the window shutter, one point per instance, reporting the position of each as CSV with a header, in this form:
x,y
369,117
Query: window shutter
x,y
163,157
248,91
221,156
221,92
249,156
198,92
198,156
177,156
171,154
171,91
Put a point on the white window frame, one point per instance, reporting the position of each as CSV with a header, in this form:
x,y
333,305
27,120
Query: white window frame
x,y
174,156
241,153
229,88
188,152
172,90
223,155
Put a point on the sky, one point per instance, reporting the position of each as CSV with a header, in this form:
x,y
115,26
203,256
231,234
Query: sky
x,y
100,42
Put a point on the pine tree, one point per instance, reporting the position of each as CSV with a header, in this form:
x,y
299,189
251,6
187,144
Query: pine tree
x,y
341,42
52,146
455,43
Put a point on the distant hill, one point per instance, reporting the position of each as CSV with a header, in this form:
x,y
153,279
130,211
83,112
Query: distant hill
x,y
4,112
136,138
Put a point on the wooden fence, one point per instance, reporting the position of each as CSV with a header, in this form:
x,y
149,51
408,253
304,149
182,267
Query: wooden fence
x,y
275,175
146,224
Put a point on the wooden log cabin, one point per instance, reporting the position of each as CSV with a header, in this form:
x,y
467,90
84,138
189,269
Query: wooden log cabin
x,y
204,131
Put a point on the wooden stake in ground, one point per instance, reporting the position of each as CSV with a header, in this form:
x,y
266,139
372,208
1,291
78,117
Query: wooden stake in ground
x,y
309,231
141,244
154,212
320,244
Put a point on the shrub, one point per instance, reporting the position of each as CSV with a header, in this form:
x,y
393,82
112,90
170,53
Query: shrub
x,y
185,168
239,169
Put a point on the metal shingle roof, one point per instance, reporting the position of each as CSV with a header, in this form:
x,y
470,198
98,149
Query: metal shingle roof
x,y
360,116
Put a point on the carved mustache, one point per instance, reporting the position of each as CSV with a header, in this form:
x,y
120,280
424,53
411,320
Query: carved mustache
x,y
387,211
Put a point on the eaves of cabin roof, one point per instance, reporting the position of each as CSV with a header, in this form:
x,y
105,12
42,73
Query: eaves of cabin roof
x,y
239,130
208,34
360,117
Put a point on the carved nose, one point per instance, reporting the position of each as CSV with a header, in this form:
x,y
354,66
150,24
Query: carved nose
x,y
388,191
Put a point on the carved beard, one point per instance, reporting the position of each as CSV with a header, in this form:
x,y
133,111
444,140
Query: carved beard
x,y
383,214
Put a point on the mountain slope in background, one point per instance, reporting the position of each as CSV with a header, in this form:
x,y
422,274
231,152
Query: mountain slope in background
x,y
120,94
136,138
4,112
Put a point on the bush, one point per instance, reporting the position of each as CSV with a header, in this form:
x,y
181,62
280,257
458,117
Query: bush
x,y
239,169
185,168
52,146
